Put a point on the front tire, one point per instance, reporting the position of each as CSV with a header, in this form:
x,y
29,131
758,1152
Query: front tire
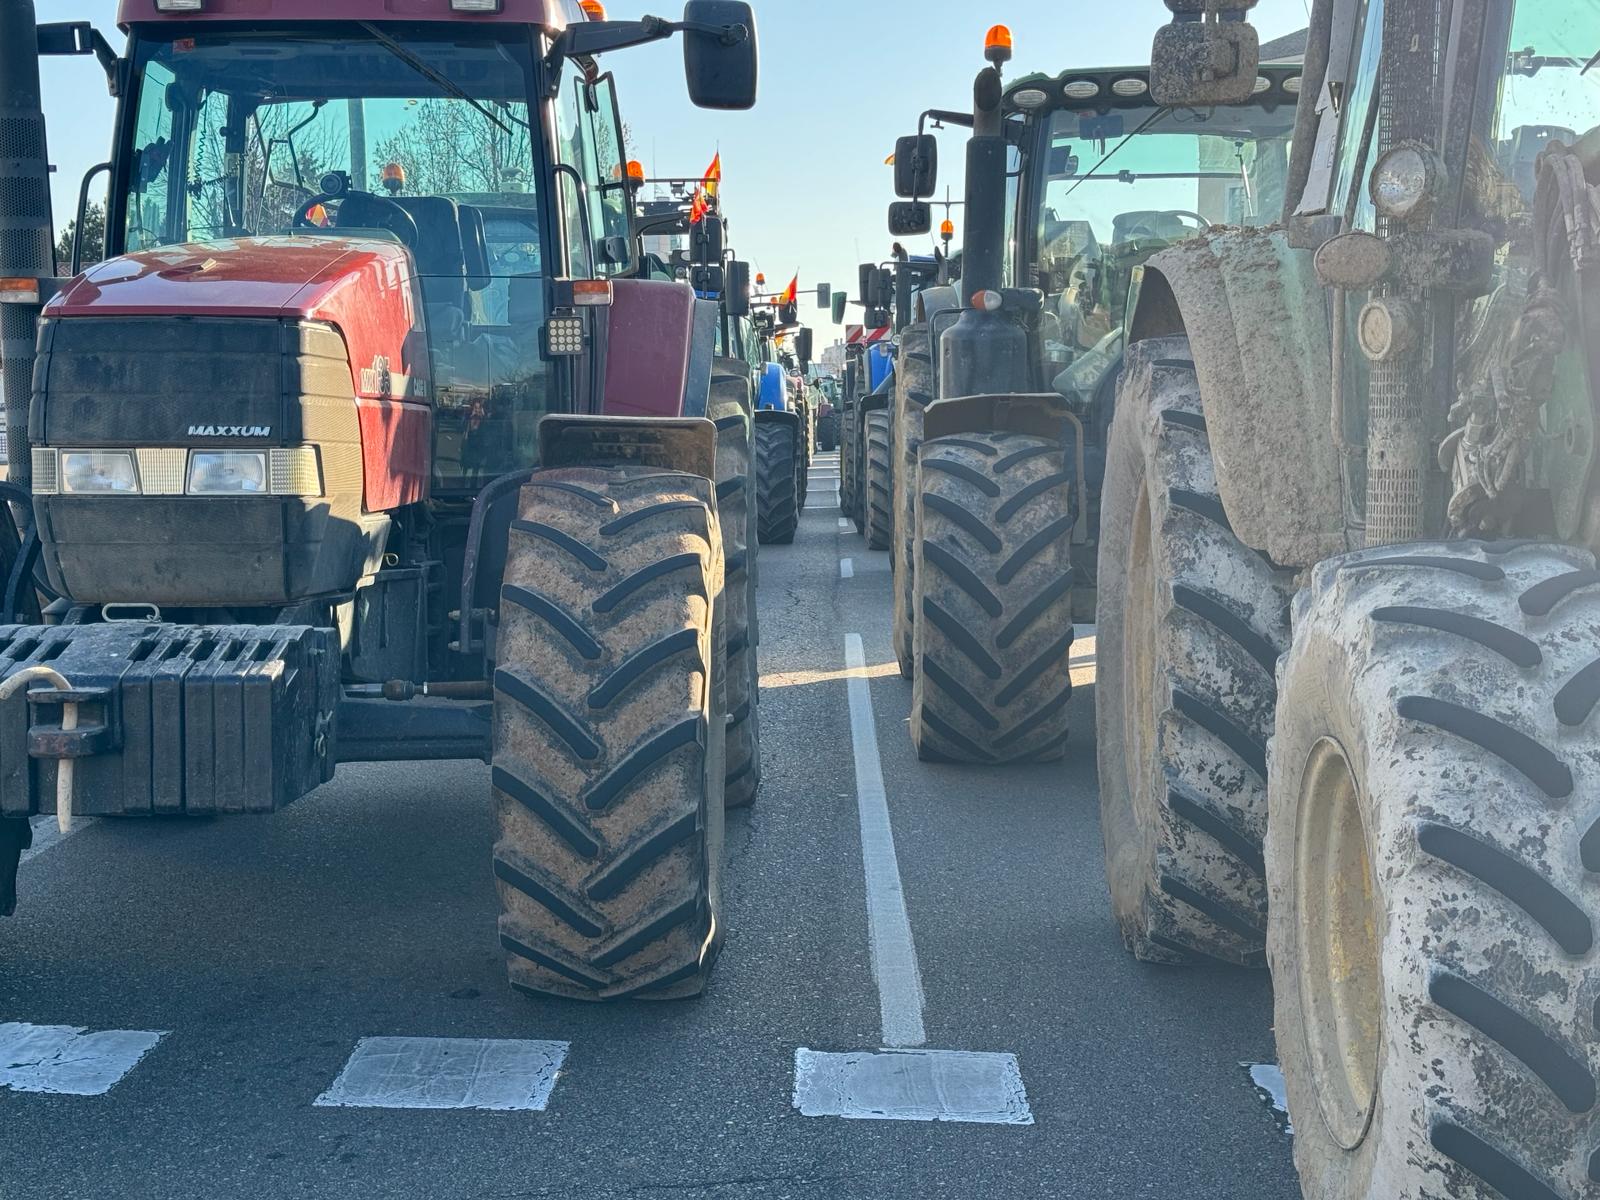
x,y
729,408
1191,623
777,499
1432,856
878,501
913,392
609,736
993,577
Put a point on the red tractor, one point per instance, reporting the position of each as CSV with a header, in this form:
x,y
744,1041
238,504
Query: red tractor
x,y
367,441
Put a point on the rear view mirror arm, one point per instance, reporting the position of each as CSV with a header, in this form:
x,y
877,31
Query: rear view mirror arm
x,y
597,37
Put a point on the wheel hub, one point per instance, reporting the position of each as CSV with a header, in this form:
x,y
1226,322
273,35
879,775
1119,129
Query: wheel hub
x,y
1339,927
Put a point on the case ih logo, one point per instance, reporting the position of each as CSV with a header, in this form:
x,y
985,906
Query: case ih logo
x,y
239,431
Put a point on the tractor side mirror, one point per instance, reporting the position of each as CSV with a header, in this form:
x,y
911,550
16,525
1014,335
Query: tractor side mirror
x,y
707,279
868,280
824,294
909,218
802,347
721,59
876,318
736,289
916,165
706,240
66,37
840,299
1207,56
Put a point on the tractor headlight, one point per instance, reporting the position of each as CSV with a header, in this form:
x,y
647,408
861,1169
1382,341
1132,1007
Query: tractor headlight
x,y
98,472
214,472
1405,181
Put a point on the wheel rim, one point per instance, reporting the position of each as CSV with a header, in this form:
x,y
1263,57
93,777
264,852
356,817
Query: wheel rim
x,y
1338,932
1139,658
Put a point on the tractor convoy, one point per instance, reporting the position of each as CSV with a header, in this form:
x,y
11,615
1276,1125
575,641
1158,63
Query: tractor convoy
x,y
1270,369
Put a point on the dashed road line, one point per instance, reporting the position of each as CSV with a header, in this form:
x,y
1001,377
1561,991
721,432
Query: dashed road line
x,y
847,568
901,1082
64,1060
420,1072
894,954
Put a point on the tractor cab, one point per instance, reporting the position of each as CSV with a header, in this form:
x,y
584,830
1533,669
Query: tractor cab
x,y
259,148
1109,179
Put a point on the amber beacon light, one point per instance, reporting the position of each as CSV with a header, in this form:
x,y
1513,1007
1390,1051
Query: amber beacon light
x,y
997,45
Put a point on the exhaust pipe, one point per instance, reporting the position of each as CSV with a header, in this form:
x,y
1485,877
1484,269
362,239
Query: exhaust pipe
x,y
27,241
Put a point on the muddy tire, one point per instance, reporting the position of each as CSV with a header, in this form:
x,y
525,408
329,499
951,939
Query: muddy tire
x,y
729,407
1433,858
1191,623
777,504
913,392
878,476
609,736
993,576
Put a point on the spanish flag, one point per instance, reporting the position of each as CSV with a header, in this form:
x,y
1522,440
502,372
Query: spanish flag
x,y
713,177
698,207
791,294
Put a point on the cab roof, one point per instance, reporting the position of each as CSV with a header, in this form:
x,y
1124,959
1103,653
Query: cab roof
x,y
547,14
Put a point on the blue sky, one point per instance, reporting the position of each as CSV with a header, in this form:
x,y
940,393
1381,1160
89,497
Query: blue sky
x,y
805,187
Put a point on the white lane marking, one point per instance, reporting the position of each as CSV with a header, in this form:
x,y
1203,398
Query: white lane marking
x,y
64,1060
847,569
894,954
417,1072
1267,1079
47,833
911,1085
844,523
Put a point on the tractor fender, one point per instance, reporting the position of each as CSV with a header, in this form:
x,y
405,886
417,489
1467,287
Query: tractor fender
x,y
686,444
772,387
1042,414
1268,411
777,416
931,301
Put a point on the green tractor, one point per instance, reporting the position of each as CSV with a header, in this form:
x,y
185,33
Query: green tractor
x,y
1005,389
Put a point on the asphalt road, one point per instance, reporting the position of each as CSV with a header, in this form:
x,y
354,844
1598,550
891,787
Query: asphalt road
x,y
264,949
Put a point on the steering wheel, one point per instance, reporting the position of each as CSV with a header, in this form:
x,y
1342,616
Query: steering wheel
x,y
1193,216
362,210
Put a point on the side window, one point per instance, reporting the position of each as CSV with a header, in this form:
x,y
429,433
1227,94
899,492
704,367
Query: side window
x,y
1355,153
590,142
611,155
154,146
1008,263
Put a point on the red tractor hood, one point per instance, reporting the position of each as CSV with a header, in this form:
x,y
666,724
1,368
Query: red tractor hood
x,y
242,277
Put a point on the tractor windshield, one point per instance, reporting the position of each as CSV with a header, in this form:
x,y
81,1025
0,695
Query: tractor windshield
x,y
1121,186
416,137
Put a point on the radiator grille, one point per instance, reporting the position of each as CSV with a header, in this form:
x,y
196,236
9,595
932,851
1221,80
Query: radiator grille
x,y
161,470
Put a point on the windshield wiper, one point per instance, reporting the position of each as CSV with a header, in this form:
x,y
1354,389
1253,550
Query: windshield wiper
x,y
1148,121
431,74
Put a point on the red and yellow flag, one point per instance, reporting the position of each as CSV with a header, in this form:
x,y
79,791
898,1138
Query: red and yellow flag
x,y
713,176
698,207
791,294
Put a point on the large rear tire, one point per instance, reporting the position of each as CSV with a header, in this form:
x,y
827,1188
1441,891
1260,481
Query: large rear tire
x,y
1191,623
879,499
913,391
609,736
1433,859
777,503
993,577
729,407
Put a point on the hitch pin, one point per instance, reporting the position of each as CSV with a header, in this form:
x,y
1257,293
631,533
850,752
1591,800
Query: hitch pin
x,y
69,722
